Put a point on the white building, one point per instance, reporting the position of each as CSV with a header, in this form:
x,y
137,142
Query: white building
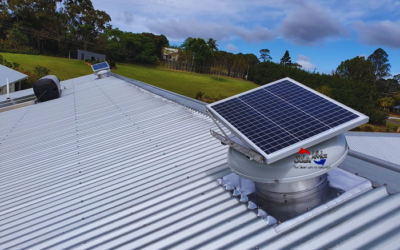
x,y
14,80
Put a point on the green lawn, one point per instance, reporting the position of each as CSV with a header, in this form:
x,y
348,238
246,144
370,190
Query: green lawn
x,y
184,83
61,67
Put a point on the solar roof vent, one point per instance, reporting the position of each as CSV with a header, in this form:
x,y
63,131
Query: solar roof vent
x,y
102,70
285,137
47,88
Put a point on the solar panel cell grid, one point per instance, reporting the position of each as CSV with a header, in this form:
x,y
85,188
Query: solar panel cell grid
x,y
282,114
100,66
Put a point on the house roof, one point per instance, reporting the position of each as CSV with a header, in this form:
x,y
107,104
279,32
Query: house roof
x,y
110,164
12,75
171,50
384,146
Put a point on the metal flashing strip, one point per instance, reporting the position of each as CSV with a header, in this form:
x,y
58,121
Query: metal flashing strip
x,y
373,160
372,134
183,100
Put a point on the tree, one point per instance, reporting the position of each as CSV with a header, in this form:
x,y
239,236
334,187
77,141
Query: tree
x,y
397,78
396,98
198,49
325,90
218,70
286,60
38,17
357,69
381,63
85,24
160,42
386,102
212,44
251,59
16,38
295,65
264,55
128,46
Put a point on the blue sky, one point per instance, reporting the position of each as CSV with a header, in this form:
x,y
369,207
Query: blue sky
x,y
318,34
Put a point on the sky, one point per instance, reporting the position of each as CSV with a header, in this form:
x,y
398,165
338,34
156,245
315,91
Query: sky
x,y
319,35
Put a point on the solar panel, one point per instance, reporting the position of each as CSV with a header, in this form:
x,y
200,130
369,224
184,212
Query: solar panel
x,y
100,66
278,119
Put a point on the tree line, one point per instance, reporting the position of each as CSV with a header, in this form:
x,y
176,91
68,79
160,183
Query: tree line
x,y
197,55
43,27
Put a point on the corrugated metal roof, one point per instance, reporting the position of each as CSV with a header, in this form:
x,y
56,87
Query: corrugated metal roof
x,y
17,94
379,176
12,75
384,146
110,165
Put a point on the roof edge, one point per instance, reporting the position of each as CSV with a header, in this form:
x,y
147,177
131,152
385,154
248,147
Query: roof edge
x,y
181,99
373,134
376,161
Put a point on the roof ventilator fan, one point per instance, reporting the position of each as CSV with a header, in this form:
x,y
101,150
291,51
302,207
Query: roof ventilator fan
x,y
101,70
291,179
47,88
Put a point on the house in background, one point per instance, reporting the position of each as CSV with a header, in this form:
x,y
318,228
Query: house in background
x,y
14,79
396,109
170,54
83,55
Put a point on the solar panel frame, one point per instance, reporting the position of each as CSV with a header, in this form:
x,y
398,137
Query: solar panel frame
x,y
294,148
100,66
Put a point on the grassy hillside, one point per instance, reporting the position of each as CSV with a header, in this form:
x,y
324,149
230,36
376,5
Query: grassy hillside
x,y
184,83
61,67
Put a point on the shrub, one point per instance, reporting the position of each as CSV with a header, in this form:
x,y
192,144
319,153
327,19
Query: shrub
x,y
368,128
16,65
87,60
8,64
199,96
377,116
112,64
41,71
356,129
32,78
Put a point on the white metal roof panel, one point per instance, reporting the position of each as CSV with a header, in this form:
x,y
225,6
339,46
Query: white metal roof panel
x,y
382,177
384,146
110,165
12,75
17,94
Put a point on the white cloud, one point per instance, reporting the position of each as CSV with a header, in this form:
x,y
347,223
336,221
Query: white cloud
x,y
126,17
176,29
305,62
310,24
303,22
232,48
379,33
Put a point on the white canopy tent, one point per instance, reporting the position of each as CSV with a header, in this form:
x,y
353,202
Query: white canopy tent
x,y
13,77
